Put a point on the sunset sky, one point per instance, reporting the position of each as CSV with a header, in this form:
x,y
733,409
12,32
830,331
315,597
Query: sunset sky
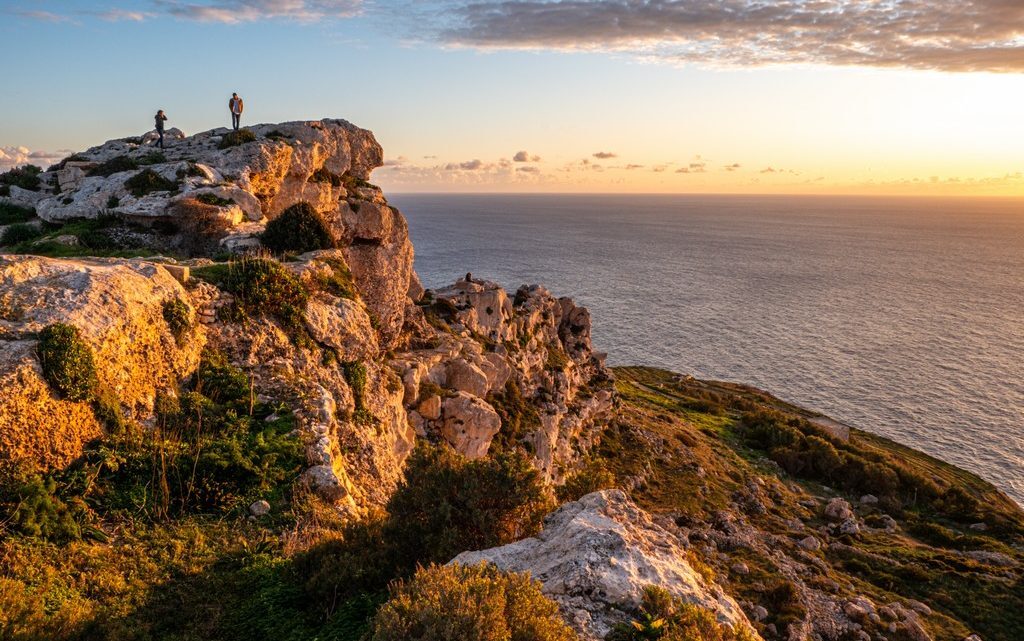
x,y
797,96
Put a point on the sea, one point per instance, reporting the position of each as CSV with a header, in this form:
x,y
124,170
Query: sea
x,y
899,316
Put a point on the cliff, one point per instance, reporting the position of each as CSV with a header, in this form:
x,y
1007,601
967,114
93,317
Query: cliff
x,y
224,389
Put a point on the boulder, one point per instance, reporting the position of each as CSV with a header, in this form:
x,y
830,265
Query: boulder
x,y
341,324
838,510
469,424
596,555
466,377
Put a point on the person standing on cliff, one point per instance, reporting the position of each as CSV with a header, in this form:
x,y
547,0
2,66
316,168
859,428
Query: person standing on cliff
x,y
235,107
160,120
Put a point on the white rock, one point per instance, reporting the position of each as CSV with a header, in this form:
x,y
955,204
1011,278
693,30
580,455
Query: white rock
x,y
259,508
596,556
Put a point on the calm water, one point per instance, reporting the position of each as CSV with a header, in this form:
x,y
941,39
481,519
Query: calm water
x,y
904,317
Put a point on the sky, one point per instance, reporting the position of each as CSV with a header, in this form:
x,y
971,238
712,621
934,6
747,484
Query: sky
x,y
917,97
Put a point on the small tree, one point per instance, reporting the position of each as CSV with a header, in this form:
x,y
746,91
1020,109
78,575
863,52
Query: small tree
x,y
300,228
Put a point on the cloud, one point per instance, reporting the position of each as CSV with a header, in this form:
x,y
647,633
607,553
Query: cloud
x,y
629,167
732,167
693,168
124,15
603,155
235,11
969,35
470,165
45,16
769,170
529,170
521,156
15,156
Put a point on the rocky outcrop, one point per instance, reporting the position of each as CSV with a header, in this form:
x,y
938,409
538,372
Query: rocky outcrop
x,y
490,353
461,364
596,555
117,306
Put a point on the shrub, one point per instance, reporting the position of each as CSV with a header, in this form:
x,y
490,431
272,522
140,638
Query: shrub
x,y
591,477
223,383
519,416
355,376
300,228
179,318
113,202
324,175
469,603
113,166
30,505
235,138
148,181
557,359
5,190
201,226
262,286
11,213
26,177
448,503
213,199
152,158
336,279
19,233
663,616
67,362
445,504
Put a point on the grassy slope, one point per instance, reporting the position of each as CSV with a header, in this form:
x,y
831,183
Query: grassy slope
x,y
691,462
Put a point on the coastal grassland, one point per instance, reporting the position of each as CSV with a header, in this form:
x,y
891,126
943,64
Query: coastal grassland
x,y
693,450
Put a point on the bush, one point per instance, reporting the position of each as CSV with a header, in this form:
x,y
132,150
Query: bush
x,y
179,318
663,616
152,158
264,287
300,229
446,504
11,213
148,181
355,376
591,477
19,233
469,603
324,175
335,279
208,198
235,138
26,177
113,166
67,362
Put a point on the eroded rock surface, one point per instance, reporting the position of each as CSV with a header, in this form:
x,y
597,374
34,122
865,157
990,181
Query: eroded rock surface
x,y
596,555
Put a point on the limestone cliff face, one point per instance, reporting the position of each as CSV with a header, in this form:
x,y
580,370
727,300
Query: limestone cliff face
x,y
445,365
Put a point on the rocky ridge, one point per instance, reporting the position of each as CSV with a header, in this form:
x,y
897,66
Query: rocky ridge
x,y
431,364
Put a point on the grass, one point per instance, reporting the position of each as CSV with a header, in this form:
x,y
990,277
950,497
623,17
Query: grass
x,y
690,463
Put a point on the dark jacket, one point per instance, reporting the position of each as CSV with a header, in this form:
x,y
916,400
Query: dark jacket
x,y
160,118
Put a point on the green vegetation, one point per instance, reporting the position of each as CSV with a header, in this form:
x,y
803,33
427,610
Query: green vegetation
x,y
519,416
113,166
299,229
355,376
324,175
336,279
11,213
353,183
691,449
148,181
592,475
235,138
93,237
179,318
67,362
152,158
262,287
446,504
215,200
469,603
19,233
662,616
26,177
